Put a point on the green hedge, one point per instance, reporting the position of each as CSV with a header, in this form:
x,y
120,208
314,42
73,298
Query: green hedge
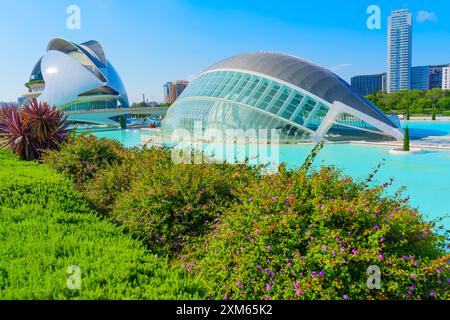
x,y
45,227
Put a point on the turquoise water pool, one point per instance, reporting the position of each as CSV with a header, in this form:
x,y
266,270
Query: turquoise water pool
x,y
426,176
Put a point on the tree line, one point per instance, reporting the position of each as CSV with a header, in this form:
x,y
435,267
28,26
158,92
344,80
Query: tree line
x,y
410,102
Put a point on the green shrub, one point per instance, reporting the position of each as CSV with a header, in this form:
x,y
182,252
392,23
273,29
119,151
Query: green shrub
x,y
313,236
165,204
83,156
45,227
293,235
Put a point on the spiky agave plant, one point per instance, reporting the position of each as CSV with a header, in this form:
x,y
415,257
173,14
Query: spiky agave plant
x,y
34,128
13,133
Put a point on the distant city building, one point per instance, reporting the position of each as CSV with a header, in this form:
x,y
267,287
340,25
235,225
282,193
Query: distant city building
x,y
427,77
173,90
180,86
446,78
436,76
399,50
420,78
21,100
384,82
368,84
170,92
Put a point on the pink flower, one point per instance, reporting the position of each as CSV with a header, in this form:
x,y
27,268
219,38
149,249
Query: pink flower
x,y
345,297
268,287
256,231
324,248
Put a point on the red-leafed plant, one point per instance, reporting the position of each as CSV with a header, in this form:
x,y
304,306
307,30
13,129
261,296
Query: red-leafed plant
x,y
34,128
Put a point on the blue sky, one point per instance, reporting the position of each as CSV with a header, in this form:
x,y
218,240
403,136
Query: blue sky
x,y
151,42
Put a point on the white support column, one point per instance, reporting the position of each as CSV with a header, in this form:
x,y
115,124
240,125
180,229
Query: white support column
x,y
326,123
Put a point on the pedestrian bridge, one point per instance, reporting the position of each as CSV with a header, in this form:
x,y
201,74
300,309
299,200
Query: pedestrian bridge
x,y
103,116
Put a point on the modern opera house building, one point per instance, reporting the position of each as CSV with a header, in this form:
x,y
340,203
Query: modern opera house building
x,y
267,90
76,78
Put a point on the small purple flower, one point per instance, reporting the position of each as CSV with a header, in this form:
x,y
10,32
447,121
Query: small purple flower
x,y
322,207
313,274
381,257
269,248
321,274
289,264
324,248
410,292
268,287
274,198
333,253
256,231
432,294
341,249
266,298
250,199
412,275
239,284
405,258
345,297
354,251
376,227
439,271
189,270
448,280
298,292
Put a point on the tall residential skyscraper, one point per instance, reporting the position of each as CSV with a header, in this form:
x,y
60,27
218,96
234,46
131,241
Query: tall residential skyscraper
x,y
399,50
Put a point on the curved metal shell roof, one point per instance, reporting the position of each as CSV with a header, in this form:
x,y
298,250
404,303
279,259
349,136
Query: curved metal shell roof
x,y
304,74
93,52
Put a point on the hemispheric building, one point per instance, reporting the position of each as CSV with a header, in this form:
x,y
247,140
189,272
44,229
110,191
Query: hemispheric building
x,y
268,90
76,78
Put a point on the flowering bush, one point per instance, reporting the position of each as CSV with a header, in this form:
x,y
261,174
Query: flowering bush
x,y
313,236
83,156
297,234
167,205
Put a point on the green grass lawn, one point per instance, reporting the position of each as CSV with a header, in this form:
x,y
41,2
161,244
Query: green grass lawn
x,y
45,227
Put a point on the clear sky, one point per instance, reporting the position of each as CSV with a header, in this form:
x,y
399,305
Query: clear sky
x,y
151,42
